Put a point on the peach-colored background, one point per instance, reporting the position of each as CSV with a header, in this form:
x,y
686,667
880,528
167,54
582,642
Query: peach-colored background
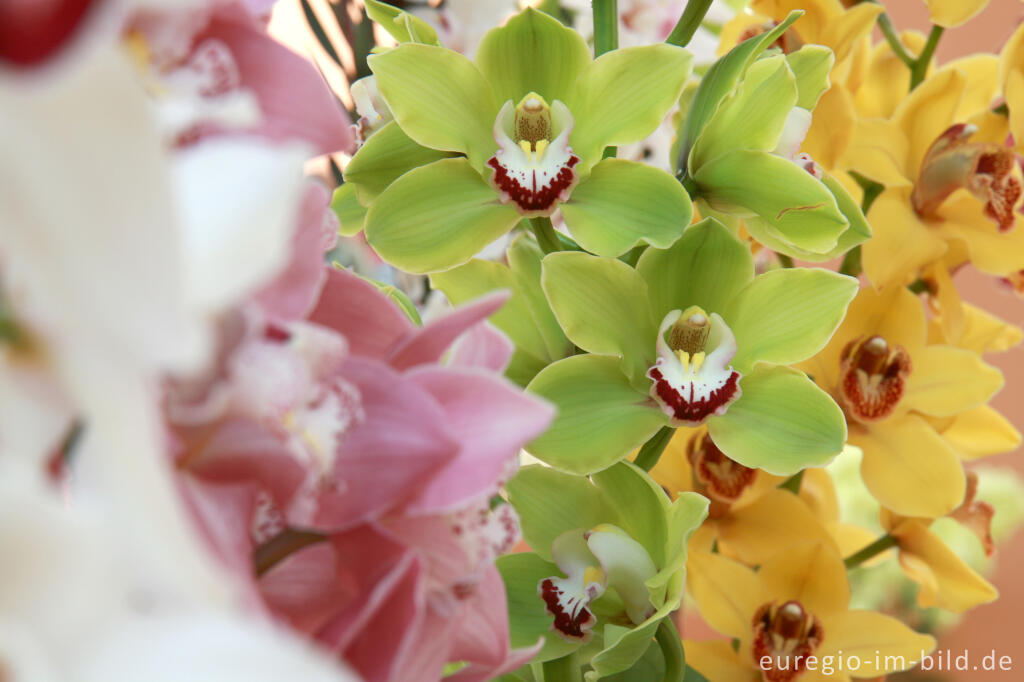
x,y
1000,625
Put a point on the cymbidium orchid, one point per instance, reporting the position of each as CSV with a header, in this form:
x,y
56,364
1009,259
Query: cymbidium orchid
x,y
898,392
607,564
528,121
793,621
690,336
738,147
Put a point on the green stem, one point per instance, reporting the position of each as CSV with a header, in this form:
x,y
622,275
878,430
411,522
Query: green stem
x,y
851,263
792,484
875,548
671,650
546,235
784,260
920,67
651,451
606,26
871,191
889,31
688,23
281,546
564,669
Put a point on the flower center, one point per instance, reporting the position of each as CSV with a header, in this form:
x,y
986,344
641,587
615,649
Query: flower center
x,y
717,476
988,171
691,377
784,636
534,166
873,377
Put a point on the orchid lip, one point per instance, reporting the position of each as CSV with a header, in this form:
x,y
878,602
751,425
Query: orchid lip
x,y
534,167
694,382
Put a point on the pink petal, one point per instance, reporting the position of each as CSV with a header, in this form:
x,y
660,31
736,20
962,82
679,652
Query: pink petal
x,y
386,459
483,346
492,420
426,655
308,588
295,290
427,344
294,99
367,318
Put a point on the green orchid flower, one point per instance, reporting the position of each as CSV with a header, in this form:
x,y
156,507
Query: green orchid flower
x,y
739,147
608,563
526,318
690,337
475,147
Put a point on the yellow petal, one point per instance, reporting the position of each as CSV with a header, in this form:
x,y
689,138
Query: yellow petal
x,y
818,492
1014,93
962,219
1012,55
880,643
855,23
831,128
945,580
927,112
852,539
902,243
736,27
985,333
981,432
819,15
878,150
887,80
716,660
812,573
672,472
950,13
982,74
951,307
771,523
946,381
909,468
703,539
727,593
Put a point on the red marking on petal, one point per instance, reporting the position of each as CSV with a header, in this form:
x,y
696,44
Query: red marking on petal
x,y
873,377
784,636
719,476
277,333
33,31
689,409
535,200
573,626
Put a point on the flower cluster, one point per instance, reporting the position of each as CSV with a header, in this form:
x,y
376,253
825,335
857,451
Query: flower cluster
x,y
686,337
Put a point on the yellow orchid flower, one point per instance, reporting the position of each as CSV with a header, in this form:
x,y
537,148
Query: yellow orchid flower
x,y
953,13
949,185
793,621
1011,82
962,324
891,383
749,517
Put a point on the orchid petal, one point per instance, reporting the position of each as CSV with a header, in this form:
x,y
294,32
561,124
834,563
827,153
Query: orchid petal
x,y
387,155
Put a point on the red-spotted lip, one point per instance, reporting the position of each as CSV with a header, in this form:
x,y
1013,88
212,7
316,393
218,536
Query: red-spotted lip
x,y
873,377
33,32
800,639
572,624
535,192
721,477
684,405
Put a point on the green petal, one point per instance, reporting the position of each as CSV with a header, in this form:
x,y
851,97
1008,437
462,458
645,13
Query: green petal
x,y
782,423
439,98
643,503
601,303
528,619
721,80
403,27
857,233
786,316
526,318
800,209
707,266
601,417
625,203
623,96
812,65
386,155
351,214
754,116
532,52
436,217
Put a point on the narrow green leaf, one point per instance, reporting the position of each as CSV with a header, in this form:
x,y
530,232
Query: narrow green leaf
x,y
436,216
601,417
625,203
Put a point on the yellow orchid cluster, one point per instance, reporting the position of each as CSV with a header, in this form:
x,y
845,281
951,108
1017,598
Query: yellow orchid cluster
x,y
932,152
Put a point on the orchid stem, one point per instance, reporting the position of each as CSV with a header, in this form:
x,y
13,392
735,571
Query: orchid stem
x,y
784,260
546,235
688,23
920,67
651,451
606,26
792,484
889,31
874,549
564,669
281,546
671,650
